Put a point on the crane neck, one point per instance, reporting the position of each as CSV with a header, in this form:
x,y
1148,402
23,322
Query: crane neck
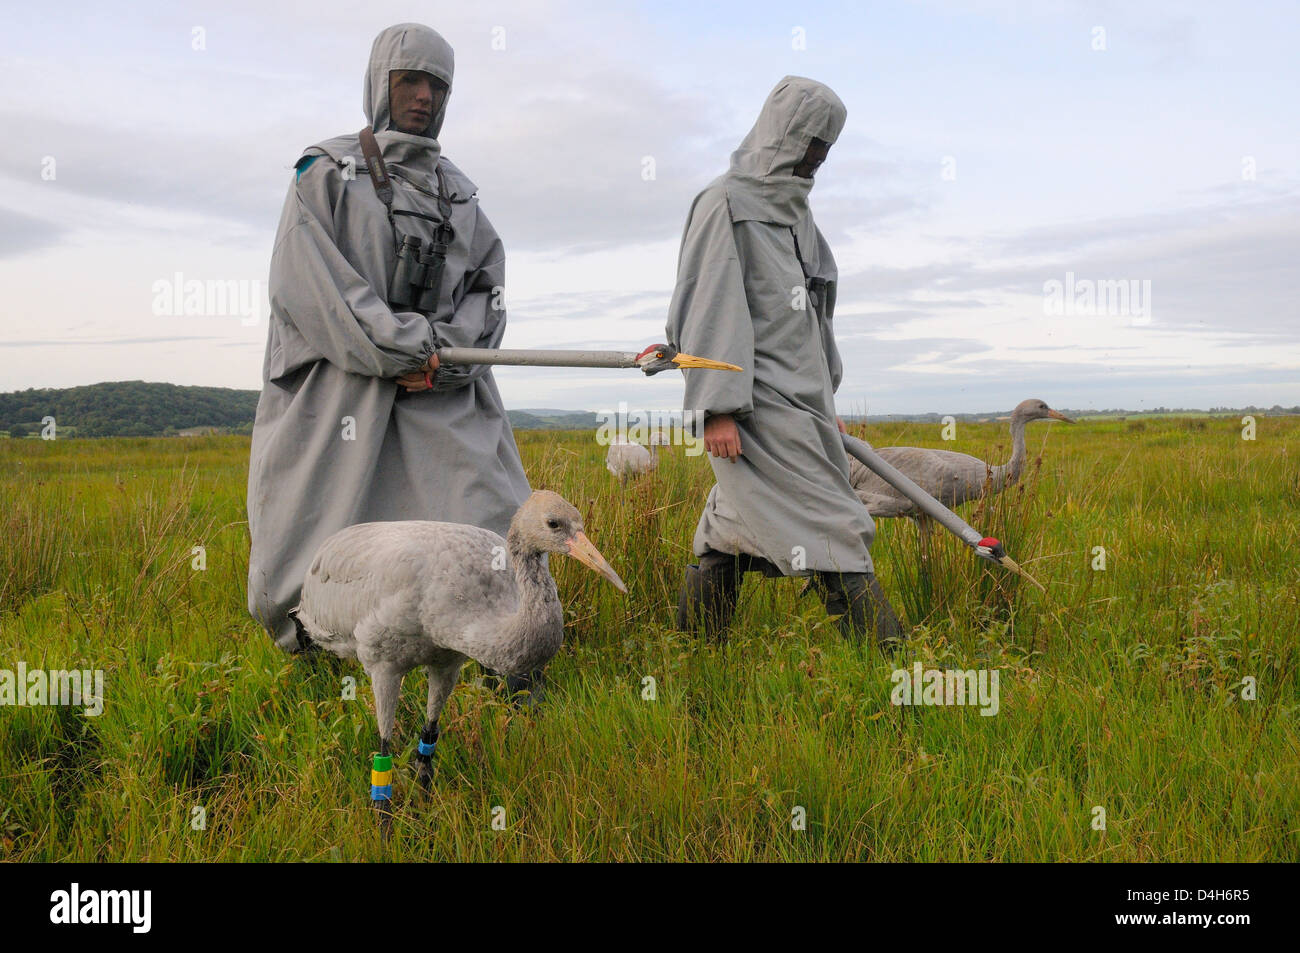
x,y
1014,467
534,632
529,564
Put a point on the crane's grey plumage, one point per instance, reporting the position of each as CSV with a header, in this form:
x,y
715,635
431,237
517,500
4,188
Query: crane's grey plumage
x,y
400,595
951,478
631,459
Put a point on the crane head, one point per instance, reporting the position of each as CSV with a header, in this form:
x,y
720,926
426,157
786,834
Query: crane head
x,y
662,357
991,549
549,523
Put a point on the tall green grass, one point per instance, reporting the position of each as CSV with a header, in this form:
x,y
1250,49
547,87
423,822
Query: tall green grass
x,y
1120,688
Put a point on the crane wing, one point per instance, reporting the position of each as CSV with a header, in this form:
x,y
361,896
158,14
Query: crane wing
x,y
398,567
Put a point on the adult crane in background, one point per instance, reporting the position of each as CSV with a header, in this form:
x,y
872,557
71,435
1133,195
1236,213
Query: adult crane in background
x,y
951,478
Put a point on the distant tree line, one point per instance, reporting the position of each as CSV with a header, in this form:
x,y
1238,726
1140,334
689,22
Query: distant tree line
x,y
143,409
127,409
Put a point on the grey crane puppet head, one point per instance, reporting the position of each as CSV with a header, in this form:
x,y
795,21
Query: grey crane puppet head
x,y
402,48
771,172
1035,409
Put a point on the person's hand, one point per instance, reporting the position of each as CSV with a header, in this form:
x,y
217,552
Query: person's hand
x,y
840,423
722,437
422,379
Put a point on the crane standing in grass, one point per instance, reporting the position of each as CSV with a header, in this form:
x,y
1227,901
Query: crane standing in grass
x,y
951,478
408,594
626,459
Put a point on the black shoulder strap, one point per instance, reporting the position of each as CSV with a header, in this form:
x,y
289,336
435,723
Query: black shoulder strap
x,y
803,266
816,286
378,171
445,232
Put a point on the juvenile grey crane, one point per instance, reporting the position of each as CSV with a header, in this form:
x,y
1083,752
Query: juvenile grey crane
x,y
398,595
627,459
951,478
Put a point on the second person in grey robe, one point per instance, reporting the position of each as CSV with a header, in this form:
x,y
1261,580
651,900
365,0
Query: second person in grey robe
x,y
337,440
756,287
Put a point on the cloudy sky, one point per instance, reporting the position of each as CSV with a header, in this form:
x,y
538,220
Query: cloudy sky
x,y
992,149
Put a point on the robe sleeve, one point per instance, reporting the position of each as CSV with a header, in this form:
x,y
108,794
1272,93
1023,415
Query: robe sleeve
x,y
479,316
332,310
709,313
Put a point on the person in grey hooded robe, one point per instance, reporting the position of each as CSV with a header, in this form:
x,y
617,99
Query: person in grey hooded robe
x,y
756,286
348,428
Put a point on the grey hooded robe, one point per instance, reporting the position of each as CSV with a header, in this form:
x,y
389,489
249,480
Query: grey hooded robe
x,y
787,498
336,440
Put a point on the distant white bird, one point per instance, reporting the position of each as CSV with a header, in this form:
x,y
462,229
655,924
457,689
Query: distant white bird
x,y
951,478
399,595
625,459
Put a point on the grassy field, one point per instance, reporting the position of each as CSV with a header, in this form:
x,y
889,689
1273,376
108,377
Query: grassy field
x,y
1120,690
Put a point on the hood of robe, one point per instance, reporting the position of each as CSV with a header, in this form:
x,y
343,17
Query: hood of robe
x,y
761,185
404,46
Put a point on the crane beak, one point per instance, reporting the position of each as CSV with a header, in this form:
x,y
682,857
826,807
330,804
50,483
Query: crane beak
x,y
582,549
1008,563
1057,415
690,360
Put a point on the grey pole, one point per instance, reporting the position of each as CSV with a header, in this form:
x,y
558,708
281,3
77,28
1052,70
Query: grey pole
x,y
652,360
536,358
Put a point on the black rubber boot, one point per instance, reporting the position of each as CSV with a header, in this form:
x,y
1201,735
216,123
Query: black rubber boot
x,y
524,691
708,598
860,602
307,650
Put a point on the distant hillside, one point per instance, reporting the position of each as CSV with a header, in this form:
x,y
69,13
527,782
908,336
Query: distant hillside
x,y
143,409
127,409
544,411
552,420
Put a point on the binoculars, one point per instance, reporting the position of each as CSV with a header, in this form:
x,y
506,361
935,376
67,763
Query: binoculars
x,y
417,275
816,292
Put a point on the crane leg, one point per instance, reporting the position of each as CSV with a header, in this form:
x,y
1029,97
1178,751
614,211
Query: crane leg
x,y
925,530
387,686
441,682
424,754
